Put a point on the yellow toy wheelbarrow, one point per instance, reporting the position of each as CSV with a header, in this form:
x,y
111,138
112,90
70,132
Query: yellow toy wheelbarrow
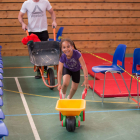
x,y
70,110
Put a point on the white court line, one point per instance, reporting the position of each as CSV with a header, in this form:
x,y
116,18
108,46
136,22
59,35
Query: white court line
x,y
31,76
31,121
20,77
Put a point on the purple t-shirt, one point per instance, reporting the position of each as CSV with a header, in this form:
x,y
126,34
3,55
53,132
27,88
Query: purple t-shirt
x,y
73,63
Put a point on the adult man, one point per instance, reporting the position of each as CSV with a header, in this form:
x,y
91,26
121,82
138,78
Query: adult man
x,y
37,20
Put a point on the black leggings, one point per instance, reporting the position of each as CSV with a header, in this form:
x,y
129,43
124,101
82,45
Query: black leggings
x,y
75,75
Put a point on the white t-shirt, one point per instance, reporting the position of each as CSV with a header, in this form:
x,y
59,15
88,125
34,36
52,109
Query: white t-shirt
x,y
36,12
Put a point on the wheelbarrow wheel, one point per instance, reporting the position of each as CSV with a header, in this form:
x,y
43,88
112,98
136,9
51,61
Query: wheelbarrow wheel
x,y
51,77
60,116
82,115
70,123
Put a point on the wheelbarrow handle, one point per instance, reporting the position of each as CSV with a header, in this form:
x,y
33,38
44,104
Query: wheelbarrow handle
x,y
60,94
54,35
84,94
27,32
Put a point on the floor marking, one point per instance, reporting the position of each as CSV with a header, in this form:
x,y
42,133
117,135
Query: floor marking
x,y
19,67
85,112
16,67
111,110
20,77
36,135
30,76
31,94
111,102
58,98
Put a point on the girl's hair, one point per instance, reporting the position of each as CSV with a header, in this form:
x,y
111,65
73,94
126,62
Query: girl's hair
x,y
68,40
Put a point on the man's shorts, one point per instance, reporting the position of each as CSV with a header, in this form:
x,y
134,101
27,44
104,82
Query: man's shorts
x,y
43,36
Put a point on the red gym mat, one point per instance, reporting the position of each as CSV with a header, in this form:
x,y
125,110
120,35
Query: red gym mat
x,y
129,60
92,61
111,89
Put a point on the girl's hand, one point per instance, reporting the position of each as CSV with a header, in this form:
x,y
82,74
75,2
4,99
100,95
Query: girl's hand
x,y
87,86
59,87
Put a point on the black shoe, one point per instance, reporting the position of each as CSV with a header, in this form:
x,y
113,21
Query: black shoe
x,y
38,76
45,69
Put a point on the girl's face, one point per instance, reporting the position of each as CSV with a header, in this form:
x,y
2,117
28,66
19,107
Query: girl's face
x,y
67,48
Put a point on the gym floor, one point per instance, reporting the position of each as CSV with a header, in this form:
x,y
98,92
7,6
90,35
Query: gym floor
x,y
29,107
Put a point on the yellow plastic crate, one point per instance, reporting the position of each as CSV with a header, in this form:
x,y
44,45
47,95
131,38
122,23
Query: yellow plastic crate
x,y
70,107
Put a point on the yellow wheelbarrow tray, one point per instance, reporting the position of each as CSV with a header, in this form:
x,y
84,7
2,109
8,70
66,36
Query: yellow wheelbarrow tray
x,y
70,107
71,111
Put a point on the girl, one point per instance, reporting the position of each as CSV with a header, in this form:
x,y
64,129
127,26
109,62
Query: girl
x,y
69,65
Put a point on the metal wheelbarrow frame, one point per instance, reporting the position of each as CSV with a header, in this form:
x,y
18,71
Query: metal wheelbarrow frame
x,y
45,53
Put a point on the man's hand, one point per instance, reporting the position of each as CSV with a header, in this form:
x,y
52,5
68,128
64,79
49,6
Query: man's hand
x,y
54,24
53,16
20,18
24,26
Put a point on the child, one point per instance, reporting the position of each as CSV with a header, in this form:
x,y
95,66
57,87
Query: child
x,y
69,65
